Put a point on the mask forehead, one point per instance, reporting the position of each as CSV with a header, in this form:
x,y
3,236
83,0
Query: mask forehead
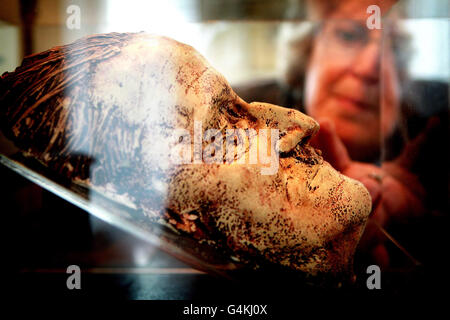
x,y
161,82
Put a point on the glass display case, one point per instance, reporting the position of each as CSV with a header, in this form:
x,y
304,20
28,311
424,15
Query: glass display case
x,y
374,75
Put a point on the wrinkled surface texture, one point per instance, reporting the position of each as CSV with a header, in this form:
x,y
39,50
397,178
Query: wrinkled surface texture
x,y
104,111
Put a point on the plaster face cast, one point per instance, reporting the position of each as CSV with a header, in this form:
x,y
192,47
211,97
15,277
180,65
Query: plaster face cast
x,y
115,111
234,143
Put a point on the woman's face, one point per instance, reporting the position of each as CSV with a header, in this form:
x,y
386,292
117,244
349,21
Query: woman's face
x,y
352,80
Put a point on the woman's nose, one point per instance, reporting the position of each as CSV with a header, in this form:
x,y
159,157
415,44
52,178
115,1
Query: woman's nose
x,y
293,125
367,64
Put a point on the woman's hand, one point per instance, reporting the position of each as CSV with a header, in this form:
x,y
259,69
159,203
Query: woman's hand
x,y
397,194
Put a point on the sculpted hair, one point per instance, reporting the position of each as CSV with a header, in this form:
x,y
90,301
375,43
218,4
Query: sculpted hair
x,y
46,110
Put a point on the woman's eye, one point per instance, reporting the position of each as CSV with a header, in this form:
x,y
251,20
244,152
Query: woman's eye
x,y
349,36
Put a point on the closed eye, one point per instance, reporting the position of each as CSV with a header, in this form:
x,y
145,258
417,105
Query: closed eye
x,y
237,112
232,113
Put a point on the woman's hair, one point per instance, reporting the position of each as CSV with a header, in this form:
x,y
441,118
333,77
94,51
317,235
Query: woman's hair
x,y
296,43
294,47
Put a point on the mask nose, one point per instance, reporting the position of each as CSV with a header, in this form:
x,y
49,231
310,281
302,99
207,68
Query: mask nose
x,y
293,125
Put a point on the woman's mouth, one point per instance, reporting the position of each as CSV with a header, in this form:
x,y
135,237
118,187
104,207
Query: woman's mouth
x,y
354,105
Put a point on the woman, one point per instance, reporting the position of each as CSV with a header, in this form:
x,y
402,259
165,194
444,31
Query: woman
x,y
350,79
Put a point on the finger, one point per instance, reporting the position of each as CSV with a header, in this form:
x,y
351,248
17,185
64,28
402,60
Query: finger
x,y
374,189
399,202
333,149
413,148
381,256
371,236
